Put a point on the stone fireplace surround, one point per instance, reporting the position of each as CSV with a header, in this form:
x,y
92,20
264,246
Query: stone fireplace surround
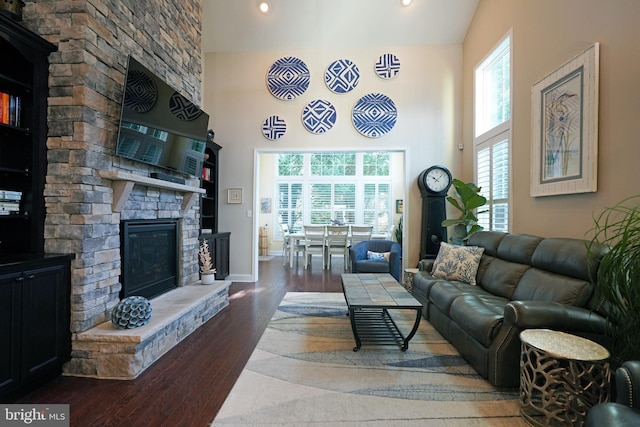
x,y
87,191
109,353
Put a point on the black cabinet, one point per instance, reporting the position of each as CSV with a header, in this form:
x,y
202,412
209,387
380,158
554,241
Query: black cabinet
x,y
35,335
23,131
209,208
219,243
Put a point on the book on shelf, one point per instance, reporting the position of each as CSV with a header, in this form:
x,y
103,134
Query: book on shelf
x,y
4,104
10,109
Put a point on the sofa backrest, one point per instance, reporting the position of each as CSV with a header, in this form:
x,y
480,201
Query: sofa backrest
x,y
512,258
525,267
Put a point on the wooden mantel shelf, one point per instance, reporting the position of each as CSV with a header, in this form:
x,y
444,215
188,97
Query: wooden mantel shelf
x,y
123,183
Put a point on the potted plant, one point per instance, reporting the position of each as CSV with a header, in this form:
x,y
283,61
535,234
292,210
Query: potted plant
x,y
468,200
397,231
207,272
618,278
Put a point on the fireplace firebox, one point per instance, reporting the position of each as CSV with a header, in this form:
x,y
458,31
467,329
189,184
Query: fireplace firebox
x,y
149,256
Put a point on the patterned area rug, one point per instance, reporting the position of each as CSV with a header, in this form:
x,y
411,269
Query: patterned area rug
x,y
304,372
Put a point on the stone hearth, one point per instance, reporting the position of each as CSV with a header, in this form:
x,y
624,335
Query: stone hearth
x,y
110,353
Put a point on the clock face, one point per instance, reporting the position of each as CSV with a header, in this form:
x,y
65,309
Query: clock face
x,y
437,180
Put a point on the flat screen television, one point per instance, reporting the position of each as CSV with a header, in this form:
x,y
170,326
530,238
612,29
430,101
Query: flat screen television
x,y
158,125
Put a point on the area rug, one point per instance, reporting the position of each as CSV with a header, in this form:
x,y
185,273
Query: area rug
x,y
304,372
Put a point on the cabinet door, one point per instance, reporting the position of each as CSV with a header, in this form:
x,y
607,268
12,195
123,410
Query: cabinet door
x,y
222,255
9,331
46,336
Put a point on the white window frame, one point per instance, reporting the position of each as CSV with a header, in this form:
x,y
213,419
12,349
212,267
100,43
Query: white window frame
x,y
484,138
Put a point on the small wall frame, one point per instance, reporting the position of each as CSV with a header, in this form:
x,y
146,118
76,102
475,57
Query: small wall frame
x,y
234,195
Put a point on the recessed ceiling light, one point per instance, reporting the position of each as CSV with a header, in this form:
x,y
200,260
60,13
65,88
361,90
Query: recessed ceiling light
x,y
405,2
264,6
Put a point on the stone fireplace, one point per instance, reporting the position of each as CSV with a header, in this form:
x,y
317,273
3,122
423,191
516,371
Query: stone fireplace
x,y
89,191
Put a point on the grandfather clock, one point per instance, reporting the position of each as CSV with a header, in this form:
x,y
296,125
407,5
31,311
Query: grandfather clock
x,y
434,183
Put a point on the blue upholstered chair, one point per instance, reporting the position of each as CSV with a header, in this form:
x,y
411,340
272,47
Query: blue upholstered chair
x,y
361,264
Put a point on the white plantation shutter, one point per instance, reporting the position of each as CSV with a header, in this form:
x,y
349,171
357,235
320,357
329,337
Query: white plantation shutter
x,y
492,176
377,205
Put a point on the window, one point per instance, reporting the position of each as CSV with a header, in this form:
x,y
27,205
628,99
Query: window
x,y
492,130
317,188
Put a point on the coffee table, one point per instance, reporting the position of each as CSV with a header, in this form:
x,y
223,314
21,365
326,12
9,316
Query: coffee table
x,y
369,298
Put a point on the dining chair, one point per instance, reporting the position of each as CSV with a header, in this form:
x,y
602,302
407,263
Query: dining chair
x,y
360,233
286,244
314,236
337,242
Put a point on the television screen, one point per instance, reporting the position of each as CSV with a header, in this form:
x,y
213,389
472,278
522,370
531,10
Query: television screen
x,y
159,126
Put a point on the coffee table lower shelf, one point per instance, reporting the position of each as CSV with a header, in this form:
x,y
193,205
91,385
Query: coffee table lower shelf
x,y
376,326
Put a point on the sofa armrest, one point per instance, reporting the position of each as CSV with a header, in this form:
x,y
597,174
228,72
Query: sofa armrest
x,y
628,384
425,264
552,315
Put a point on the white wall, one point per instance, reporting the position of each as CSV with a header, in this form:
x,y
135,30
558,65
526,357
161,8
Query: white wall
x,y
546,34
427,94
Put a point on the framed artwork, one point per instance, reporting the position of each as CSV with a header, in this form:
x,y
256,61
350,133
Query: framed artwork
x,y
399,206
564,147
234,195
265,205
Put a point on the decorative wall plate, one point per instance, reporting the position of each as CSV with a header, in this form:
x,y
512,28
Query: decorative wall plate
x,y
319,116
342,76
274,128
141,92
387,66
182,108
288,78
374,115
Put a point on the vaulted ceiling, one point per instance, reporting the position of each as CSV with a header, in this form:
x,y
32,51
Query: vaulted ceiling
x,y
238,25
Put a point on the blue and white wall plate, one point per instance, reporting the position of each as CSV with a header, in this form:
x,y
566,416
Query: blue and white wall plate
x,y
387,66
319,116
374,115
288,78
274,127
342,76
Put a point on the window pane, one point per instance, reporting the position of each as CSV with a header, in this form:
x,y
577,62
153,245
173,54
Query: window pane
x,y
493,89
290,164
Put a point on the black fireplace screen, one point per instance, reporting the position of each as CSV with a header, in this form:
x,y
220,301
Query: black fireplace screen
x,y
149,255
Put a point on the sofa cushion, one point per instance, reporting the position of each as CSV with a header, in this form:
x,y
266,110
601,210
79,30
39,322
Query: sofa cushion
x,y
568,257
540,285
489,240
518,247
501,277
457,263
480,316
444,293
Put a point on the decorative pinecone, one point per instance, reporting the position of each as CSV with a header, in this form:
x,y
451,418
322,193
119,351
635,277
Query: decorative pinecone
x,y
131,312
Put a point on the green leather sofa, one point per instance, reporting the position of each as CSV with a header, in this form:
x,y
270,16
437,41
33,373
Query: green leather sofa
x,y
523,282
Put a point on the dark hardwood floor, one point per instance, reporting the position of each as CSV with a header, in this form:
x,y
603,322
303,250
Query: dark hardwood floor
x,y
189,384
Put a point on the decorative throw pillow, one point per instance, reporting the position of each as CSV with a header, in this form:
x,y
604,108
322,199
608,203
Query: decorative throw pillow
x,y
457,263
378,256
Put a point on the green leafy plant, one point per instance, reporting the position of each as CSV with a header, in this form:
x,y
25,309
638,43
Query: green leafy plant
x,y
467,201
397,231
618,278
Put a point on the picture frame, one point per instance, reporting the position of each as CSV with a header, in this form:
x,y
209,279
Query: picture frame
x,y
265,205
399,206
564,146
234,195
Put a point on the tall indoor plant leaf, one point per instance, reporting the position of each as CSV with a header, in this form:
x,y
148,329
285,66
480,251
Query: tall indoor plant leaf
x,y
467,201
618,278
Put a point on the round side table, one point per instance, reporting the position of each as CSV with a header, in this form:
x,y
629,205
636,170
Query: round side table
x,y
408,278
561,377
